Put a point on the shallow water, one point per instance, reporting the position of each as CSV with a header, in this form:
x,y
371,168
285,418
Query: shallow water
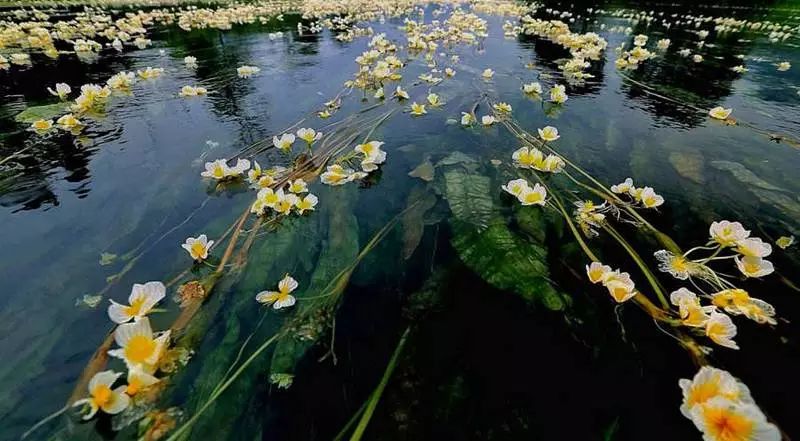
x,y
481,362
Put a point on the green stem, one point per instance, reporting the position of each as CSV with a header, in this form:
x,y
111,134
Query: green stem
x,y
635,256
372,403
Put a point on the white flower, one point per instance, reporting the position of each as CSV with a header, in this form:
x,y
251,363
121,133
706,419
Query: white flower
x,y
284,142
307,203
487,74
308,135
467,119
558,94
624,187
649,198
752,266
754,247
102,397
549,133
62,91
727,233
281,298
516,187
137,344
721,419
488,120
709,383
721,330
532,88
533,196
597,272
298,186
247,71
198,247
141,300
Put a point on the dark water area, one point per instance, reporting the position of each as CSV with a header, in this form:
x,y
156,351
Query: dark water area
x,y
480,362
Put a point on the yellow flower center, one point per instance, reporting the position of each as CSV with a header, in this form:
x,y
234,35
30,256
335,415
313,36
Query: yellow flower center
x,y
533,197
139,349
218,171
135,307
724,425
102,395
198,249
134,386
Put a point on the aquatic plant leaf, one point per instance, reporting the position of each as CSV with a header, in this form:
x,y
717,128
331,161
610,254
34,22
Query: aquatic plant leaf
x,y
469,196
107,258
744,175
424,171
689,165
35,113
506,261
414,219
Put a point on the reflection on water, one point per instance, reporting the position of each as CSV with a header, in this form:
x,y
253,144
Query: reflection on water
x,y
129,187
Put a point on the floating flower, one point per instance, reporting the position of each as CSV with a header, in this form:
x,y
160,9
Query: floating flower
x,y
449,71
281,298
418,109
338,175
488,120
710,383
620,286
739,69
721,330
689,308
783,66
69,122
784,242
42,125
308,135
121,81
640,40
139,380
558,94
754,247
285,141
738,302
502,107
663,44
141,301
526,157
697,58
190,61
720,113
434,100
677,265
102,397
533,196
138,346
487,74
623,187
724,420
190,91
755,267
285,203
254,174
515,187
62,91
298,186
532,88
379,94
400,94
597,272
373,155
727,233
150,73
549,134
467,119
306,204
247,71
649,198
198,247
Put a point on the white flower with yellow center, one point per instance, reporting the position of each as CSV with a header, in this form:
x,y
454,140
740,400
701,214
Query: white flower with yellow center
x,y
488,120
298,186
649,198
102,397
753,247
306,204
783,66
68,122
516,187
623,187
379,94
285,141
721,330
282,298
216,170
373,155
536,195
640,40
697,58
709,383
689,308
254,174
720,112
42,125
558,94
721,419
247,71
551,164
532,88
139,380
549,133
526,157
739,69
418,109
285,203
467,119
738,302
138,346
619,285
663,44
727,233
784,242
752,266
122,81
191,91
198,247
597,272
141,301
434,100
62,91
502,107
190,62
400,94
309,135
449,71
150,73
487,74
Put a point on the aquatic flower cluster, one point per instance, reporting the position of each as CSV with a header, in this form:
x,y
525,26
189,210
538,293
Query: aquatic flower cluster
x,y
138,347
582,47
